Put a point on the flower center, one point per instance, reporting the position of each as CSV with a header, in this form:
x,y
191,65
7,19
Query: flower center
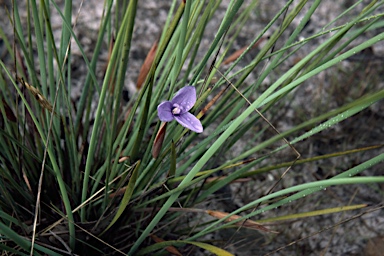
x,y
176,109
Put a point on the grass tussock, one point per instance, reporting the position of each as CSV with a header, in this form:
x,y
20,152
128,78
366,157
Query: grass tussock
x,y
83,171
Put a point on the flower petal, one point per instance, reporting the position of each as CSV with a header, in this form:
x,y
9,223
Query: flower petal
x,y
189,121
185,98
164,111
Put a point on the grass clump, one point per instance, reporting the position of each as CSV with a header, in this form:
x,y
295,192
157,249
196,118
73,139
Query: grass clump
x,y
91,173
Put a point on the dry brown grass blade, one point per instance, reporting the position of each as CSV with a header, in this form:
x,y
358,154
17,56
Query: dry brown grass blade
x,y
111,82
170,249
146,65
237,53
37,94
121,159
210,104
26,180
246,223
158,142
119,192
110,50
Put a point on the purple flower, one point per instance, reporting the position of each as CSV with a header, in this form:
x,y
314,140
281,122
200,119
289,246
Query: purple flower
x,y
178,109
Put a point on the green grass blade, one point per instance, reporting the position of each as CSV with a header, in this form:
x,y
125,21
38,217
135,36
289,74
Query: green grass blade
x,y
313,213
126,198
98,118
302,191
52,157
24,244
